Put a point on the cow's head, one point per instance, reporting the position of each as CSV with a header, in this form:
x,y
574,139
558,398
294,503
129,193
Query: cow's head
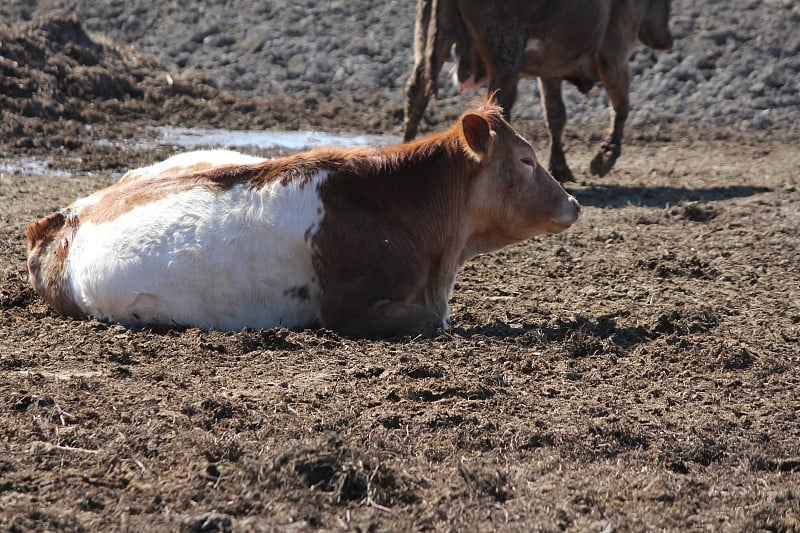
x,y
654,24
514,197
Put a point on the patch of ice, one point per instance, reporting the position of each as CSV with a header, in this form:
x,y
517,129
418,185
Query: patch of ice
x,y
192,138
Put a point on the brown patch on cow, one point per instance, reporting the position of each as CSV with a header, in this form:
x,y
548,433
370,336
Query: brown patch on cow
x,y
44,229
129,192
298,168
309,233
138,173
299,292
394,219
124,196
48,242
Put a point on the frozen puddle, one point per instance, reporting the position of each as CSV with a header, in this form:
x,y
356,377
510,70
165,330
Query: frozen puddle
x,y
30,165
192,138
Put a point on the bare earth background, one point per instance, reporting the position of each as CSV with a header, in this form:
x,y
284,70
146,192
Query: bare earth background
x,y
638,372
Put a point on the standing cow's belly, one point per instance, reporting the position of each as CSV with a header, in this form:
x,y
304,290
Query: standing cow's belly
x,y
548,59
206,258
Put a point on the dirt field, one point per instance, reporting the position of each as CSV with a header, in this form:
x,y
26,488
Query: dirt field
x,y
640,371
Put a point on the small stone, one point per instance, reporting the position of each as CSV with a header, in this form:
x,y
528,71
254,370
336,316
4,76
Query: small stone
x,y
762,120
210,521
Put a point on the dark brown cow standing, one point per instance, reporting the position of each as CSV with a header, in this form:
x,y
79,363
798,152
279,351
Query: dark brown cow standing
x,y
581,41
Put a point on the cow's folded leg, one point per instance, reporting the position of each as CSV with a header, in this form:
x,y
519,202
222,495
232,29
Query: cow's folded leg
x,y
387,318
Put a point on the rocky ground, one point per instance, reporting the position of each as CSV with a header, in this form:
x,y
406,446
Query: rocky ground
x,y
638,372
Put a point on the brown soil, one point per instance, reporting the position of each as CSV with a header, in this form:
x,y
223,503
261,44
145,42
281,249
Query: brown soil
x,y
640,371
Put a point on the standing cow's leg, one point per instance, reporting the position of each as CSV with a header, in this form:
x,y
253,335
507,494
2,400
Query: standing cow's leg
x,y
616,79
556,116
504,88
501,54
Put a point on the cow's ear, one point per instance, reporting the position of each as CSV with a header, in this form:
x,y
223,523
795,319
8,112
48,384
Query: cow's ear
x,y
477,134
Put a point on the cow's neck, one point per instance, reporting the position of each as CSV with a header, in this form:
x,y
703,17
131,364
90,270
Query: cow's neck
x,y
478,244
442,225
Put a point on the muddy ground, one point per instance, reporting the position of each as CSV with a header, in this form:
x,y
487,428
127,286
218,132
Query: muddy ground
x,y
640,371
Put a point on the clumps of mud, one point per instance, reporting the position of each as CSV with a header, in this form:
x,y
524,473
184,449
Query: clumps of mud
x,y
56,79
15,291
61,88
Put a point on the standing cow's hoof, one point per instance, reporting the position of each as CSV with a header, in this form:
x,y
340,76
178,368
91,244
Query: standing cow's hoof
x,y
562,173
558,165
605,159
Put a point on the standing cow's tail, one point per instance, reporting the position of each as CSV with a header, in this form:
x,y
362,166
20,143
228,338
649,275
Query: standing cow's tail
x,y
417,88
435,31
432,57
445,28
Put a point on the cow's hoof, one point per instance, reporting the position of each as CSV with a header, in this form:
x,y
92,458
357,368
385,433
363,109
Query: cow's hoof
x,y
604,161
562,173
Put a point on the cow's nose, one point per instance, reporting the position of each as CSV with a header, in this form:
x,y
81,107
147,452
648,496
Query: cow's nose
x,y
575,204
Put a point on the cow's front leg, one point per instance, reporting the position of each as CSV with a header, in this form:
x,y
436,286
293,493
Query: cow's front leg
x,y
555,114
387,318
616,80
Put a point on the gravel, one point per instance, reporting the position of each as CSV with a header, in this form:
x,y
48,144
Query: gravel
x,y
735,64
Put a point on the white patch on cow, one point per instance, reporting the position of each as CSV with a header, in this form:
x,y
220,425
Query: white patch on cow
x,y
470,83
210,259
534,45
454,75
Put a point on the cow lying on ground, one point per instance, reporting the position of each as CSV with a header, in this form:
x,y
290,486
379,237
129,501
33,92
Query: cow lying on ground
x,y
574,40
365,241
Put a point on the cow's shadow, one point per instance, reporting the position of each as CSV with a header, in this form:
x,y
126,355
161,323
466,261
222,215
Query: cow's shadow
x,y
613,195
580,335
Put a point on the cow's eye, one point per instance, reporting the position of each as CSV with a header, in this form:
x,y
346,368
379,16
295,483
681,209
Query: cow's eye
x,y
528,161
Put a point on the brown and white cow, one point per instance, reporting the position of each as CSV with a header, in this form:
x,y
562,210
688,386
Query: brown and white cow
x,y
365,241
581,41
